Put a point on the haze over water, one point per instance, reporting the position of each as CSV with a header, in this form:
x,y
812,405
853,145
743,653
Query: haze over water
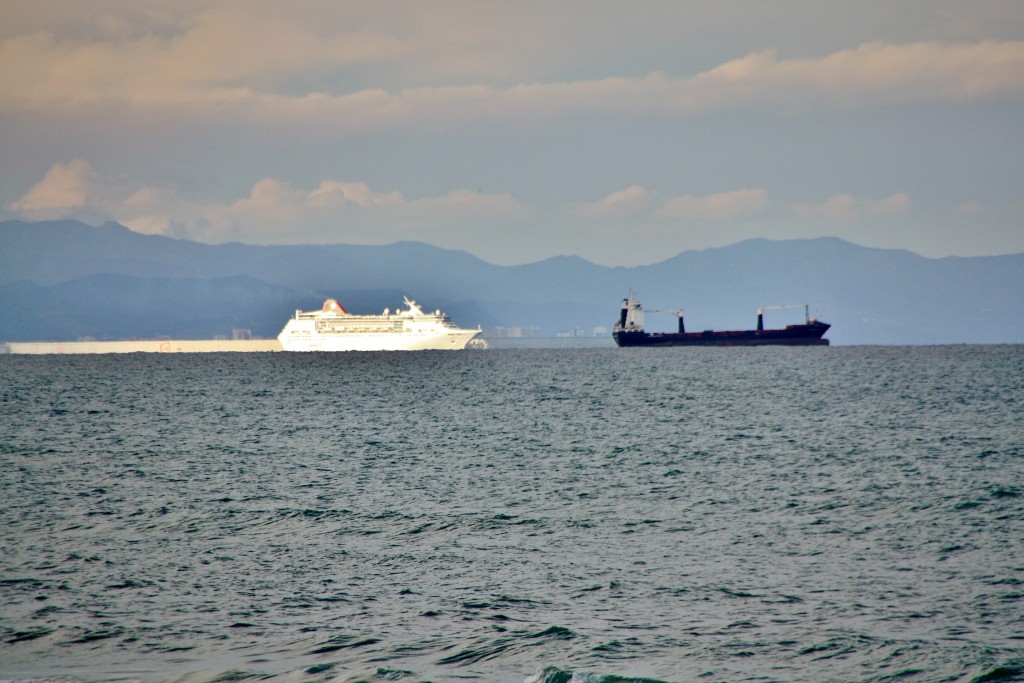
x,y
771,514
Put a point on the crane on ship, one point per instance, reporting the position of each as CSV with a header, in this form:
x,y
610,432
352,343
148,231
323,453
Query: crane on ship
x,y
761,311
677,312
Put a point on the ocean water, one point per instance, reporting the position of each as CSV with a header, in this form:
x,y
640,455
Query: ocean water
x,y
542,515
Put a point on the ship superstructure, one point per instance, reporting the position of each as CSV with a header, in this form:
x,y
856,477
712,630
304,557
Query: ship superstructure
x,y
332,328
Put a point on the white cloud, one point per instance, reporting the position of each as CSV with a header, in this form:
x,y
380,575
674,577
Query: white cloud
x,y
272,208
892,205
274,212
838,208
872,72
272,66
333,193
723,206
844,208
65,187
627,227
619,204
156,211
640,211
345,211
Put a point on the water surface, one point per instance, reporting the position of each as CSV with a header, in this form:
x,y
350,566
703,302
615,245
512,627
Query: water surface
x,y
771,514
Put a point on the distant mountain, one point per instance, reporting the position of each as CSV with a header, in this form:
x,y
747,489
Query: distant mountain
x,y
63,280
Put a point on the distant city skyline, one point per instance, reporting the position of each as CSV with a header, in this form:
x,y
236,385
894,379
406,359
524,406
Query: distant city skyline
x,y
620,133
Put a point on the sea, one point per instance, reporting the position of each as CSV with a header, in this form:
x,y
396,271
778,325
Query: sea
x,y
526,515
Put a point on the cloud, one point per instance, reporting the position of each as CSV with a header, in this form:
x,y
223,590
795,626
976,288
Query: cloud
x,y
65,187
630,226
274,212
838,208
639,204
892,205
843,208
723,206
618,204
333,193
157,211
221,55
275,67
335,211
872,72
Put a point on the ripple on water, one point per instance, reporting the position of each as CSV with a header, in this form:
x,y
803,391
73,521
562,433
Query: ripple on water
x,y
790,514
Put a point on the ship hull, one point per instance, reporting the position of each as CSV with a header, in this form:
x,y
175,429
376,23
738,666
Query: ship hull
x,y
794,335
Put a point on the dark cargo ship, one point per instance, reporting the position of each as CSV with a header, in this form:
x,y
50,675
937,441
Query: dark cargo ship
x,y
629,331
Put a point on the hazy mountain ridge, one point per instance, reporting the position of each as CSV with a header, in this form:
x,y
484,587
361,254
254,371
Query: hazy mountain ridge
x,y
65,279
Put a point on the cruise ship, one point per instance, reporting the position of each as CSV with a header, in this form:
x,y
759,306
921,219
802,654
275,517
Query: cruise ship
x,y
332,328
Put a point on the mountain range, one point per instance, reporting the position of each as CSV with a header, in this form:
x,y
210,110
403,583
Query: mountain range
x,y
64,280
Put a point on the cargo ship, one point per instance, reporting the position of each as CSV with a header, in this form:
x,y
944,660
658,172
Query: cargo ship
x,y
332,328
629,330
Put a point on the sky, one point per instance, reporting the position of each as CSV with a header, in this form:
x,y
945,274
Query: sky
x,y
623,133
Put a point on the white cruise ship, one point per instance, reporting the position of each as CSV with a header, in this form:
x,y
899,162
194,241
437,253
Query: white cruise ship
x,y
332,328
